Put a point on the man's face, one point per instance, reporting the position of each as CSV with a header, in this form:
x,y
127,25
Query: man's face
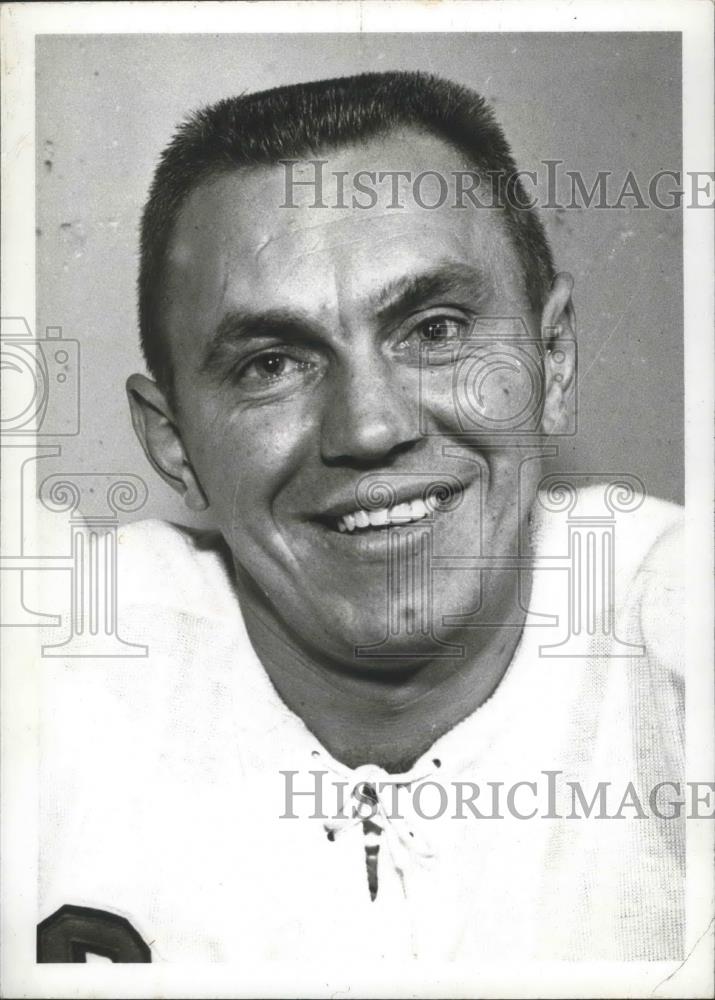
x,y
315,352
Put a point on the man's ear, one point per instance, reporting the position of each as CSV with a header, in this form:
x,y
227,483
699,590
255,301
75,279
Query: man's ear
x,y
155,426
558,331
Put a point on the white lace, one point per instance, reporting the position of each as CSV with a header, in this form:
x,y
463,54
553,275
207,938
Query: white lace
x,y
405,844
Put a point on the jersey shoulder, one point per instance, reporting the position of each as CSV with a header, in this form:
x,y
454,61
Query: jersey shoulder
x,y
637,524
166,565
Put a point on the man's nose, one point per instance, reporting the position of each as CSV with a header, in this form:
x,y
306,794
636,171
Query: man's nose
x,y
370,415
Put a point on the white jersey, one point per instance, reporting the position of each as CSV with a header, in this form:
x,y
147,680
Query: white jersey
x,y
165,779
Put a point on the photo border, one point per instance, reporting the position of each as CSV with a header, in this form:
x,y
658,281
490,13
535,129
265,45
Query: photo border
x,y
694,20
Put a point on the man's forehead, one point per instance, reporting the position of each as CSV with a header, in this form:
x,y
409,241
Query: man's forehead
x,y
405,174
330,186
247,234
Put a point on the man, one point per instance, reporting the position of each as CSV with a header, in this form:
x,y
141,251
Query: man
x,y
360,353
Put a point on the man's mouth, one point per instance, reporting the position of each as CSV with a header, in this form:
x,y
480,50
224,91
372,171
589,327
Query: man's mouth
x,y
379,504
384,517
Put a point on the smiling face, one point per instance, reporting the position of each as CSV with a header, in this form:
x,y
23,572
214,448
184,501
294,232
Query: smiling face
x,y
317,357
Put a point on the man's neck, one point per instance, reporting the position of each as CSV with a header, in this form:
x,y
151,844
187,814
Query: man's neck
x,y
378,716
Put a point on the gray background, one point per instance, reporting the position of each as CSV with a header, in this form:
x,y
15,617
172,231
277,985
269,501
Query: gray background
x,y
107,104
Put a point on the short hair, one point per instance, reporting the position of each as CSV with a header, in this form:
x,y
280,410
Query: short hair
x,y
306,119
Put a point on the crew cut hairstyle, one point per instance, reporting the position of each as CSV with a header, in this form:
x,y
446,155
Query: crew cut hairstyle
x,y
305,120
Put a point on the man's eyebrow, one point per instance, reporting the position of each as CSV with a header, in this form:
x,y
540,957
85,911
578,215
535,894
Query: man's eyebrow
x,y
408,294
238,324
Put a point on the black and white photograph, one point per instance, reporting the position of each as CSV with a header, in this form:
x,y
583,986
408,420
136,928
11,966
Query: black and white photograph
x,y
357,555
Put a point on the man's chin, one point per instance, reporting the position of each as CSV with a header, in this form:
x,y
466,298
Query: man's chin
x,y
377,645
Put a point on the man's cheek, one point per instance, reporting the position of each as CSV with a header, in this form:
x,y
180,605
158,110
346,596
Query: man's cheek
x,y
438,410
244,479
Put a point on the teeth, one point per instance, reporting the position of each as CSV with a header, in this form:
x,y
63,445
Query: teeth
x,y
402,513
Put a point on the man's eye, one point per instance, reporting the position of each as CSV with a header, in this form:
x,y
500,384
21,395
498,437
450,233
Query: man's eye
x,y
271,366
439,334
441,328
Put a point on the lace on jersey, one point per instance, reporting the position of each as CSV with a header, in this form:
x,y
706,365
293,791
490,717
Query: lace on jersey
x,y
377,788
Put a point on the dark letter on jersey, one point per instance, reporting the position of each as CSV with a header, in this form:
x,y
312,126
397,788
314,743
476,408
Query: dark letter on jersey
x,y
73,931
